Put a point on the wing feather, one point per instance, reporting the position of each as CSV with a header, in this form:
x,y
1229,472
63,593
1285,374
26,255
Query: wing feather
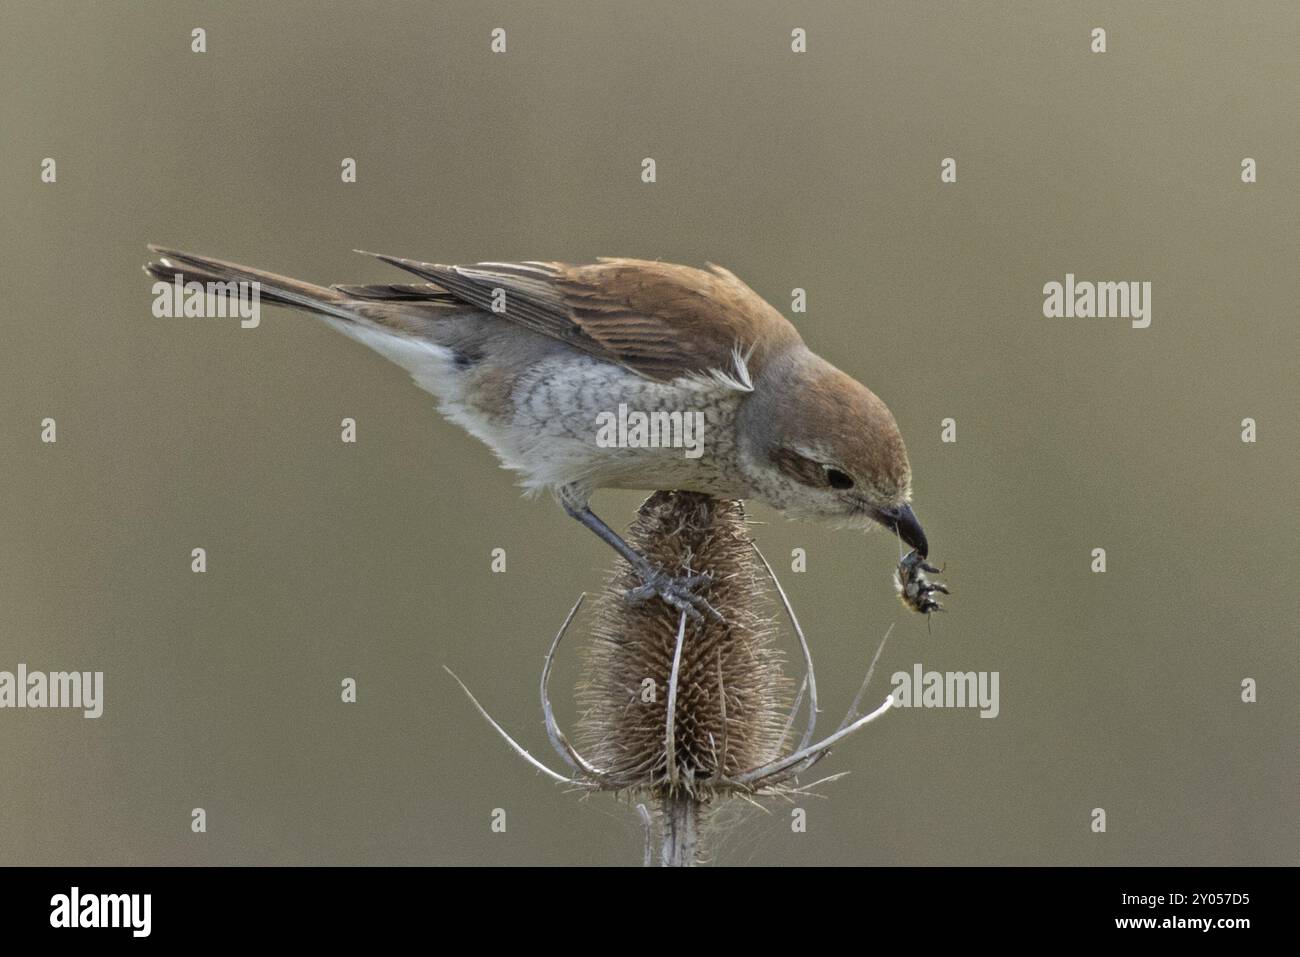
x,y
660,320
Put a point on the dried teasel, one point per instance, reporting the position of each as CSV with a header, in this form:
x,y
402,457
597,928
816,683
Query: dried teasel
x,y
731,694
679,714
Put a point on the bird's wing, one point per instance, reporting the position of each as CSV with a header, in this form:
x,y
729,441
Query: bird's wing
x,y
660,320
425,292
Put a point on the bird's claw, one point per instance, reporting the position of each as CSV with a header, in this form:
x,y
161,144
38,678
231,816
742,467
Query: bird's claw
x,y
681,593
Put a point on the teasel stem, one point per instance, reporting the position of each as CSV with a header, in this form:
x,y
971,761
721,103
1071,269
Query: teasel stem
x,y
681,830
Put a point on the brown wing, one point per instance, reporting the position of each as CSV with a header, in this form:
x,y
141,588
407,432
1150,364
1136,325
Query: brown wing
x,y
657,319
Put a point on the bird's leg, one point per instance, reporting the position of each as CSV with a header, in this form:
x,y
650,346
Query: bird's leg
x,y
681,593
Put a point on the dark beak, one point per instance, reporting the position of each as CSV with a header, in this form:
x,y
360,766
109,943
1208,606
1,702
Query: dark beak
x,y
903,522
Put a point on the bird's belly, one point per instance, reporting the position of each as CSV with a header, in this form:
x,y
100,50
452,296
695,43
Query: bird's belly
x,y
577,419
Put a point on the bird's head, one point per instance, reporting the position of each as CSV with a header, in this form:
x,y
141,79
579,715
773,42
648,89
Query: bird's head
x,y
817,444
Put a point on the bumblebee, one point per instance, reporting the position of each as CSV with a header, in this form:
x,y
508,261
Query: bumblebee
x,y
914,589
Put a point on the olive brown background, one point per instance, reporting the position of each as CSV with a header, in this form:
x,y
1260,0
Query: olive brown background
x,y
817,170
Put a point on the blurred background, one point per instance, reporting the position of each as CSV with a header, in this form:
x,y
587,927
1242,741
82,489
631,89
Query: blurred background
x,y
817,170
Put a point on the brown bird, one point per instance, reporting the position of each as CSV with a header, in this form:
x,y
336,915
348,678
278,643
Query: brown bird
x,y
624,374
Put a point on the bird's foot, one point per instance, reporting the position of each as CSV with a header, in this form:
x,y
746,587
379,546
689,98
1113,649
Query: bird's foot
x,y
683,593
916,591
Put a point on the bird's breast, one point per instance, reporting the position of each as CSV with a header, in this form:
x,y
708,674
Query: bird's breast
x,y
576,418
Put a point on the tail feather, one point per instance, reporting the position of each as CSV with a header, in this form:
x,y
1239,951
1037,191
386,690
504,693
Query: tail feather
x,y
400,325
399,292
272,287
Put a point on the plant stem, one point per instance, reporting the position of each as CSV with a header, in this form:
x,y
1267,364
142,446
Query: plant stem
x,y
681,831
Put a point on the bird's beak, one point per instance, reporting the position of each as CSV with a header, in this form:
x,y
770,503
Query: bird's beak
x,y
904,523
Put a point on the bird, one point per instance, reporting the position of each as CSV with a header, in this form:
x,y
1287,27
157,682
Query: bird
x,y
529,357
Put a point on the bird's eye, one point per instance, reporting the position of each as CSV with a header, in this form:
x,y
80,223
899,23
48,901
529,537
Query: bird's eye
x,y
837,479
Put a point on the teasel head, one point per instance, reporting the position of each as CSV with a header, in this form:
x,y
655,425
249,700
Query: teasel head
x,y
678,713
731,696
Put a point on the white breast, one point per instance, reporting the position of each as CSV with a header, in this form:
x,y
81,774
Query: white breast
x,y
559,404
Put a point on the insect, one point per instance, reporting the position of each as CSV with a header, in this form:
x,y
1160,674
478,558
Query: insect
x,y
914,589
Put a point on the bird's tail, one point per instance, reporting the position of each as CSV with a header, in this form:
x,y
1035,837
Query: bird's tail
x,y
407,325
272,287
